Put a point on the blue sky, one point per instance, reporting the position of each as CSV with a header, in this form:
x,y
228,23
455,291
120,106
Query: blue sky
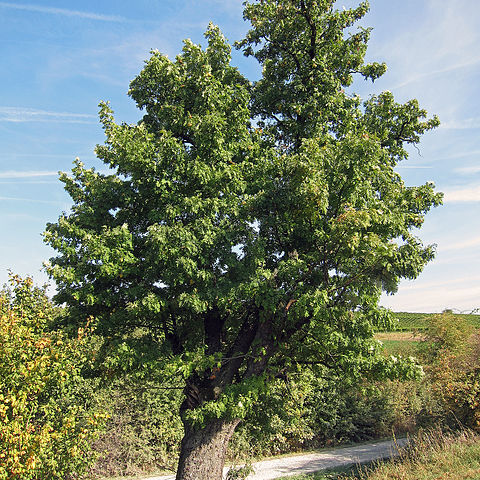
x,y
61,58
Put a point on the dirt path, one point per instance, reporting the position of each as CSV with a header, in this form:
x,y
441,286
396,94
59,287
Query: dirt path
x,y
313,462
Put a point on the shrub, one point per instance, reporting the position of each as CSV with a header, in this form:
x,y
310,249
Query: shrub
x,y
45,431
451,350
144,430
310,411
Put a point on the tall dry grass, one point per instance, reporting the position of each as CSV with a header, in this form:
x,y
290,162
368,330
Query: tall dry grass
x,y
431,455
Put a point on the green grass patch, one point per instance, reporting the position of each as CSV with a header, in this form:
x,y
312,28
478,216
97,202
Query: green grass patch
x,y
399,343
400,347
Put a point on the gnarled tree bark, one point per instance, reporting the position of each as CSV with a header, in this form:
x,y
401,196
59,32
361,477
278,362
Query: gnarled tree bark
x,y
203,450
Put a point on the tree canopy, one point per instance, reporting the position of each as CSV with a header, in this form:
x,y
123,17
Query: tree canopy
x,y
248,228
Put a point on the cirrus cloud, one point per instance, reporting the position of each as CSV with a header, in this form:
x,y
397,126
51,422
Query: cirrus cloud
x,y
63,11
470,193
21,114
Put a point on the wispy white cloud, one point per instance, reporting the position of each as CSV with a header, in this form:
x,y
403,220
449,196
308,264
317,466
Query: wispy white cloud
x,y
229,6
451,282
26,174
464,124
114,59
434,55
20,114
31,200
463,245
468,170
29,182
433,73
414,167
63,11
470,193
456,155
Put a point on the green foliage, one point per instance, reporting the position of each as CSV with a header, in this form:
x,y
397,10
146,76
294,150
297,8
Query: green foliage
x,y
45,428
446,334
308,411
247,229
239,473
143,431
303,410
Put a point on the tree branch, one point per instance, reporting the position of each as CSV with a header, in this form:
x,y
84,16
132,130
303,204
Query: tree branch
x,y
313,30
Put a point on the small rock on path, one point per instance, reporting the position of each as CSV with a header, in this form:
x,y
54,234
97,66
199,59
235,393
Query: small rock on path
x,y
314,462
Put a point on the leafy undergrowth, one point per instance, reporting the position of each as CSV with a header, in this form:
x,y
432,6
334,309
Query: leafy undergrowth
x,y
430,456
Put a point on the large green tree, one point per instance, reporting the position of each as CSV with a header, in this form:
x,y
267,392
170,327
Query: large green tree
x,y
246,229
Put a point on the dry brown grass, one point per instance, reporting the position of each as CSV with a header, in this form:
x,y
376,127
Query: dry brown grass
x,y
433,456
430,456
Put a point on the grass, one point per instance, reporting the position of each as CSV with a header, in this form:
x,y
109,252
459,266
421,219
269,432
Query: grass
x,y
398,343
400,347
334,474
431,456
331,474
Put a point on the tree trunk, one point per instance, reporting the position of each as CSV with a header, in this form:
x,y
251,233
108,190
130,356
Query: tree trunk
x,y
203,451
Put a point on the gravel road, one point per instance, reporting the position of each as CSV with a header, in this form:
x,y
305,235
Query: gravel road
x,y
313,462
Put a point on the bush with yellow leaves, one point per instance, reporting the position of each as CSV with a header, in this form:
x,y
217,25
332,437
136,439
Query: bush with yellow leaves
x,y
45,426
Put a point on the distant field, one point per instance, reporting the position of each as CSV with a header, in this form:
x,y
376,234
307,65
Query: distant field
x,y
403,339
398,343
406,321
